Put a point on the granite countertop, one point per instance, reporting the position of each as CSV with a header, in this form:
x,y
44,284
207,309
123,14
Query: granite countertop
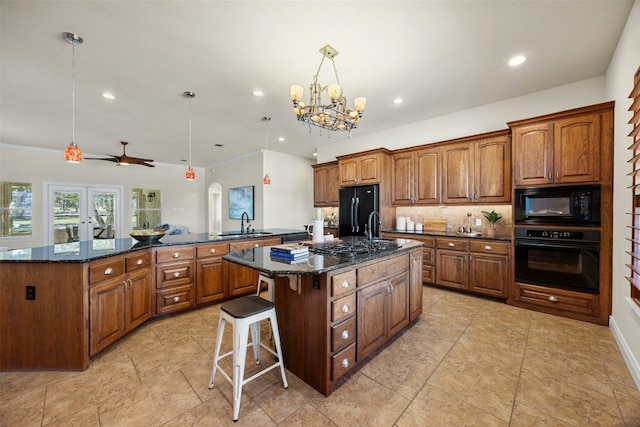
x,y
100,248
441,234
260,259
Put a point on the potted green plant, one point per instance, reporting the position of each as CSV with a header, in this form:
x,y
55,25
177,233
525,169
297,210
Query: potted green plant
x,y
492,217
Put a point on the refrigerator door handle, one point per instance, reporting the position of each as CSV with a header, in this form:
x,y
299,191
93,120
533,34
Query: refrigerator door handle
x,y
353,203
357,220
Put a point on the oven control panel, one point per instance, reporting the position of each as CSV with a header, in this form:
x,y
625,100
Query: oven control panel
x,y
590,235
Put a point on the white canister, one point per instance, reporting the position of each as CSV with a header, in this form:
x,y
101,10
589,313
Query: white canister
x,y
418,226
316,231
401,223
410,225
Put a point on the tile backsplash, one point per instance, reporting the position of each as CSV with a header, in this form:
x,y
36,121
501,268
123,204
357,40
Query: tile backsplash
x,y
457,216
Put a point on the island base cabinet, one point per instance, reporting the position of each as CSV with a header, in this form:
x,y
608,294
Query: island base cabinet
x,y
48,332
107,302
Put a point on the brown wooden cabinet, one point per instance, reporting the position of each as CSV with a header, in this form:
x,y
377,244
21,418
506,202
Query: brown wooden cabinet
x,y
383,303
477,170
479,266
175,279
244,280
416,177
363,168
326,184
428,254
211,284
119,297
561,148
415,285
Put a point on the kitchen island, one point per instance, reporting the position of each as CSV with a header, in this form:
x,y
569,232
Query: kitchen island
x,y
62,305
336,309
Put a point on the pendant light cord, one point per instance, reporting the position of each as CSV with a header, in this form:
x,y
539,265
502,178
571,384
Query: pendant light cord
x,y
73,93
190,132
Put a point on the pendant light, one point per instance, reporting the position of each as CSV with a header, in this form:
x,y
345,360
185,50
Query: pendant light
x,y
72,153
190,174
266,180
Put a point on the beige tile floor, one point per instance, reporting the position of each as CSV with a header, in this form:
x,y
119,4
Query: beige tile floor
x,y
468,361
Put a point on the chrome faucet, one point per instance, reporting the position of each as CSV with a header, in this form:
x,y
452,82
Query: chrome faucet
x,y
370,224
242,222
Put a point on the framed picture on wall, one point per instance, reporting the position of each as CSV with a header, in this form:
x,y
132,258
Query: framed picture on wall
x,y
241,200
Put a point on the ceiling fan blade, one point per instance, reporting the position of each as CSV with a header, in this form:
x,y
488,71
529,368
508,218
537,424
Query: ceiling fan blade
x,y
108,159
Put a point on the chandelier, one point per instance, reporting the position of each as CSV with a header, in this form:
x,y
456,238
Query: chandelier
x,y
333,116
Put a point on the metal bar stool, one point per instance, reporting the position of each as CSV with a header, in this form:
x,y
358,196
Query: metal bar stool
x,y
245,315
264,278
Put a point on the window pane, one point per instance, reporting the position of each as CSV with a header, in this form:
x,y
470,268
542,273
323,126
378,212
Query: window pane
x,y
15,209
146,208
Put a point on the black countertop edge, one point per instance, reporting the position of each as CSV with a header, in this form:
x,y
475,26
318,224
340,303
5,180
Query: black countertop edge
x,y
89,250
260,259
437,234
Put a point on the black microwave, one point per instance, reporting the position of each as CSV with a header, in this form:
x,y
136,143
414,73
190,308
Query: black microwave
x,y
574,205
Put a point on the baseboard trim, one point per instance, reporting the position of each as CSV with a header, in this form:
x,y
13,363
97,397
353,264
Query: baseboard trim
x,y
629,358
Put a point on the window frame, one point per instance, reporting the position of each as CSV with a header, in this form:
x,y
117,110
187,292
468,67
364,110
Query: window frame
x,y
6,211
634,253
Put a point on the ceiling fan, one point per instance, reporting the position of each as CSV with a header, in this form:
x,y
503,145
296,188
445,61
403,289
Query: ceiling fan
x,y
124,159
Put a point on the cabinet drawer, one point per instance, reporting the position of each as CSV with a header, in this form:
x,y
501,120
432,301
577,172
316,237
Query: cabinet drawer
x,y
174,274
211,250
379,270
557,298
257,243
103,270
174,254
489,247
343,334
429,242
138,260
343,308
452,244
343,283
428,274
428,256
342,362
175,299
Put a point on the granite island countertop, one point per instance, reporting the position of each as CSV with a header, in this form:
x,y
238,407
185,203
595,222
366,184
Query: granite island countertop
x,y
90,250
261,260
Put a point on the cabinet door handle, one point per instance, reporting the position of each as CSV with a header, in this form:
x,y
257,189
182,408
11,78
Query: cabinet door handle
x,y
126,286
345,308
108,271
345,363
345,335
390,288
139,262
550,175
488,248
212,251
130,283
553,298
345,284
176,274
175,255
452,245
176,299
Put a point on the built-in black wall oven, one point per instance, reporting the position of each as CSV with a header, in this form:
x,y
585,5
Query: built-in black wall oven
x,y
558,206
560,258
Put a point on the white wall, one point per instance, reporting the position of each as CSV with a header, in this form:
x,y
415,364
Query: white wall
x,y
487,118
286,203
625,323
182,200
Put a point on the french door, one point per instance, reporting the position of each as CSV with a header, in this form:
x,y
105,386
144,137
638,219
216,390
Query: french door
x,y
75,213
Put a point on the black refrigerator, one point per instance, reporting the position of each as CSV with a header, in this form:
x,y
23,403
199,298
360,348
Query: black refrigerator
x,y
356,203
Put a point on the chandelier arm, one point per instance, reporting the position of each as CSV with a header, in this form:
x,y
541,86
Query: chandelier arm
x,y
335,70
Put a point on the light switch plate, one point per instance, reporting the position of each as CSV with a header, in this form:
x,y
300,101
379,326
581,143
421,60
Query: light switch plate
x,y
478,222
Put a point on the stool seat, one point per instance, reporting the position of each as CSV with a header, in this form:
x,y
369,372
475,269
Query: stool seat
x,y
245,314
248,306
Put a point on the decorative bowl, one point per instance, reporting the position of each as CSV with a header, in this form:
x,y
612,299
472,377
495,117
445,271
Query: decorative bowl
x,y
147,235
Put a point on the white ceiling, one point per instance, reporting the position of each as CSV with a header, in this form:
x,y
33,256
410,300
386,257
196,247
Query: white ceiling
x,y
442,56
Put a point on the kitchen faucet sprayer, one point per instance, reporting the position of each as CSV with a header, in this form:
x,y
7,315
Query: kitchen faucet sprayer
x,y
370,224
242,222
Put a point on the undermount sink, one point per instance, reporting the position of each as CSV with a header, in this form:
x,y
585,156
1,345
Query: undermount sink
x,y
472,234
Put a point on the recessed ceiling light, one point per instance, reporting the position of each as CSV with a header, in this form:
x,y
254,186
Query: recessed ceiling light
x,y
315,153
257,93
107,95
397,101
281,139
517,60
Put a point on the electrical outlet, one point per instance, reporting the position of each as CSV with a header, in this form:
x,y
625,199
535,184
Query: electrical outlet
x,y
31,292
478,222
